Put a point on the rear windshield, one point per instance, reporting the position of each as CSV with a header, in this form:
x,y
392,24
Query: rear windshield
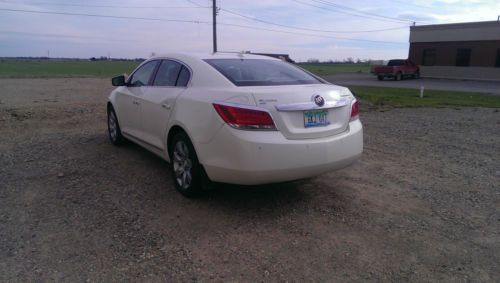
x,y
261,72
396,63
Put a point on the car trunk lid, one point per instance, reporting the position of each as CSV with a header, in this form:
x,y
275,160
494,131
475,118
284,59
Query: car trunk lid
x,y
298,116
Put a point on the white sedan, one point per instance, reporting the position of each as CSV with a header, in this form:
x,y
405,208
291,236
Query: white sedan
x,y
235,118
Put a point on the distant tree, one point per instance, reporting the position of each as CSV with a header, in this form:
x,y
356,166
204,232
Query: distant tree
x,y
349,60
312,60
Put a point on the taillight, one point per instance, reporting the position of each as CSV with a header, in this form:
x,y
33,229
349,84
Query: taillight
x,y
354,110
245,118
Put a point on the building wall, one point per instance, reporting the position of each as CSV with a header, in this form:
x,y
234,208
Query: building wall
x,y
447,45
461,73
483,53
456,32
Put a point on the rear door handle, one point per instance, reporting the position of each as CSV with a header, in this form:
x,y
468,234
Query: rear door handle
x,y
136,102
166,106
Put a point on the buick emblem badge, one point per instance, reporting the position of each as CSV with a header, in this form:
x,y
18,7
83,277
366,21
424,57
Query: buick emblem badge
x,y
319,100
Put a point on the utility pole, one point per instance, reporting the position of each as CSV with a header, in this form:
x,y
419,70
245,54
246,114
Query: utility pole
x,y
214,22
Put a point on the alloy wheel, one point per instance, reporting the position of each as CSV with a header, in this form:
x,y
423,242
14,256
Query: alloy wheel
x,y
182,165
112,126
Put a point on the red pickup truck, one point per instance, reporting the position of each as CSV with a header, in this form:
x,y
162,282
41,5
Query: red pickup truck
x,y
397,69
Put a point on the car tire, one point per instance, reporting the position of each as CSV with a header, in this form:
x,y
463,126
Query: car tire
x,y
186,169
380,78
398,77
114,131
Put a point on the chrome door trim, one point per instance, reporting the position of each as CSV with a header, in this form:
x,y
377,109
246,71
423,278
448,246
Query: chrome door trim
x,y
301,106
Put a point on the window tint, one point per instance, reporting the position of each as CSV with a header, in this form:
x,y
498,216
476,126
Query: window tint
x,y
429,57
463,57
167,73
261,72
142,76
183,77
396,63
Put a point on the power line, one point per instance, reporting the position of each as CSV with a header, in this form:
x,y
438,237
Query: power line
x,y
412,4
103,16
64,36
309,29
358,11
348,13
100,6
324,2
297,28
196,4
315,35
196,22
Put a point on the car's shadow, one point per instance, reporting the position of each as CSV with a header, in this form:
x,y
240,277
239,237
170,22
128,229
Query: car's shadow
x,y
235,196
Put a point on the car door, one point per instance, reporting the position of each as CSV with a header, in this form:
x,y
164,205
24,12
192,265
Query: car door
x,y
158,101
128,99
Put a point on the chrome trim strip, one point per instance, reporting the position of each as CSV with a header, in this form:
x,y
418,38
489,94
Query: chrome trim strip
x,y
130,136
311,105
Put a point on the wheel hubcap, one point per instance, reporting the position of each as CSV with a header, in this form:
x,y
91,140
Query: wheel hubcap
x,y
112,126
182,165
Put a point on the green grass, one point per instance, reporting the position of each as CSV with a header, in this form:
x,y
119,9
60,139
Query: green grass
x,y
10,68
332,69
380,96
50,69
400,97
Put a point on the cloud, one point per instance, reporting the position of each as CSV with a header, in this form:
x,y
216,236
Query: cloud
x,y
86,36
417,17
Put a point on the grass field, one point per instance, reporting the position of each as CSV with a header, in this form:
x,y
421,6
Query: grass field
x,y
51,69
376,95
332,69
401,97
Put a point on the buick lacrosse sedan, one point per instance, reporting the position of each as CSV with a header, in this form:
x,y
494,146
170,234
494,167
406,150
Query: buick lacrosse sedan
x,y
235,118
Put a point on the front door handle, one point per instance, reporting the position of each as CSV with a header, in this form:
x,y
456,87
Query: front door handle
x,y
136,102
166,106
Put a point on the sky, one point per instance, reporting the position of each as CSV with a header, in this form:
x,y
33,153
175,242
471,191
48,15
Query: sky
x,y
305,29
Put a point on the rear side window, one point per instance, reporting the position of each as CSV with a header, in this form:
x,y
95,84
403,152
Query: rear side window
x,y
143,75
183,77
261,72
167,73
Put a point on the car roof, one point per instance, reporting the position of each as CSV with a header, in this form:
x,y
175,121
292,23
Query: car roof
x,y
202,73
218,55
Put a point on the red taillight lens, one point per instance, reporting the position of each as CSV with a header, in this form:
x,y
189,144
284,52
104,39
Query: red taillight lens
x,y
355,110
245,118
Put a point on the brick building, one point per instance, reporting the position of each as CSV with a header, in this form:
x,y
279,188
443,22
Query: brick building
x,y
459,51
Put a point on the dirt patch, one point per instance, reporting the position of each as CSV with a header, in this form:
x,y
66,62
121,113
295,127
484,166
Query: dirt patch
x,y
421,205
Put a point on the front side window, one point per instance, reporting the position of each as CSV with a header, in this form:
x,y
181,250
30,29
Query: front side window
x,y
167,74
142,76
261,72
463,57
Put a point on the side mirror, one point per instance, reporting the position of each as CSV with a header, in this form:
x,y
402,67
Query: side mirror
x,y
118,81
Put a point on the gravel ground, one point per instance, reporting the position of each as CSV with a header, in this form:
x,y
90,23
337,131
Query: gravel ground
x,y
490,87
421,205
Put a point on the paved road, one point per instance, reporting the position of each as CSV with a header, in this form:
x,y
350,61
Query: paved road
x,y
437,84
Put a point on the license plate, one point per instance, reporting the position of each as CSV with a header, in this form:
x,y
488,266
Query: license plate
x,y
316,118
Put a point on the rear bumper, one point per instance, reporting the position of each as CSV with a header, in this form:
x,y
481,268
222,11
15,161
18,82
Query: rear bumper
x,y
254,158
